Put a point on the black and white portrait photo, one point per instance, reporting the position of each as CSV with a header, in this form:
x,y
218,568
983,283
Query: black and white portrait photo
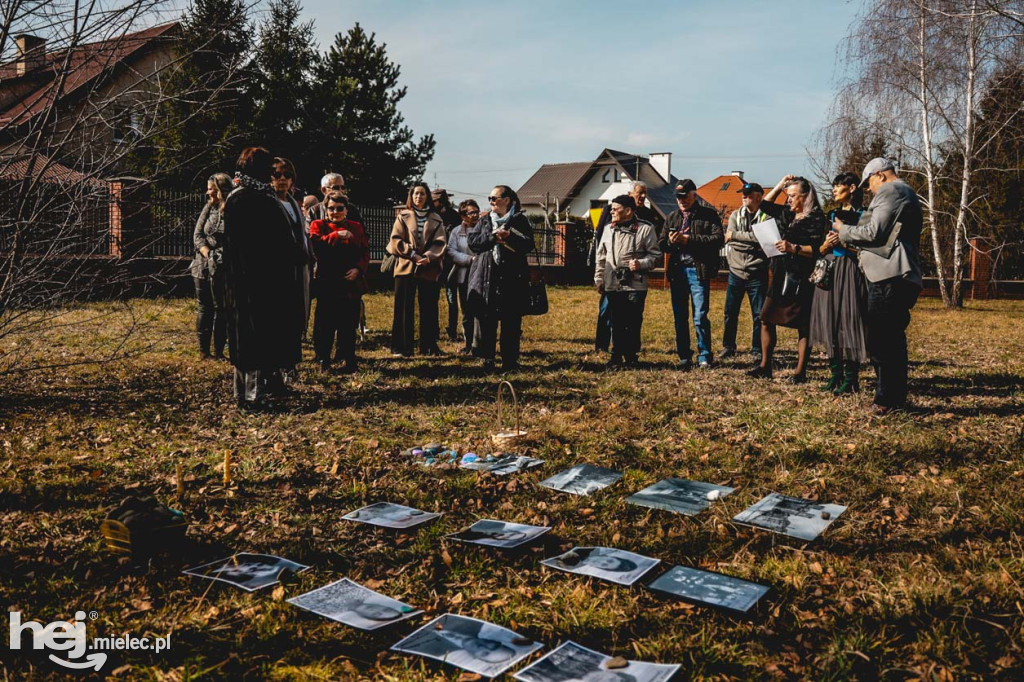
x,y
614,565
250,572
390,515
792,516
714,589
500,464
502,534
680,496
574,663
350,603
582,479
468,643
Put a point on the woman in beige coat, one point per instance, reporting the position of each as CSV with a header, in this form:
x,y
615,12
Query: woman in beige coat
x,y
418,244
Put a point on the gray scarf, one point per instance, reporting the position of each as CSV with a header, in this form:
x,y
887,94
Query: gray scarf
x,y
498,223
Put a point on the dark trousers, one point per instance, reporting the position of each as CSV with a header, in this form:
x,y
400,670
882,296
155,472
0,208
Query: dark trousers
x,y
451,293
459,294
511,331
755,288
211,320
403,327
627,309
335,316
888,315
603,338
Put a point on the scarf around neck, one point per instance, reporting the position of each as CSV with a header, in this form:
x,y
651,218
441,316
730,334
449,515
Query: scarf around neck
x,y
498,223
243,180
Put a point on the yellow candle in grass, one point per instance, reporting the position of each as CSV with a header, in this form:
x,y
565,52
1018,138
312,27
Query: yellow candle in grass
x,y
227,467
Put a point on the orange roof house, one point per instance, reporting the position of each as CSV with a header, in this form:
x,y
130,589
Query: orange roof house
x,y
723,193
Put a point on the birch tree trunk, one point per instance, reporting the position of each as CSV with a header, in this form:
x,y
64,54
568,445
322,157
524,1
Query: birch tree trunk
x,y
960,232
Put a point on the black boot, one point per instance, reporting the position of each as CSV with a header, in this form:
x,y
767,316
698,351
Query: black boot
x,y
835,366
851,378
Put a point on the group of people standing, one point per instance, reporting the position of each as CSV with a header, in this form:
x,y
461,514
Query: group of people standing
x,y
261,258
865,262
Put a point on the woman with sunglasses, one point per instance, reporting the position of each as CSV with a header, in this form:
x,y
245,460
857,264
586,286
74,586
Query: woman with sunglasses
x,y
499,278
462,258
418,243
342,255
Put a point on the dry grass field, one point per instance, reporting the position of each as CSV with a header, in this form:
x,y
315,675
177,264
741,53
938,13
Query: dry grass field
x,y
921,578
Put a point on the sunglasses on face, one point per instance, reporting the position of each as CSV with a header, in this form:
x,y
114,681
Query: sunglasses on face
x,y
468,213
336,209
277,175
495,199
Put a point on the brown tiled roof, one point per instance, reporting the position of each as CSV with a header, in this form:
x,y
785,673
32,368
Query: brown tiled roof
x,y
559,180
88,62
723,193
18,167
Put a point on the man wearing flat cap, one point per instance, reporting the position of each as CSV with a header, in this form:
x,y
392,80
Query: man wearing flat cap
x,y
692,238
888,235
628,251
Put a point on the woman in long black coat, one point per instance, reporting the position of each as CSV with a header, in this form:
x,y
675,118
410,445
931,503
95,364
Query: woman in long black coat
x,y
262,296
499,279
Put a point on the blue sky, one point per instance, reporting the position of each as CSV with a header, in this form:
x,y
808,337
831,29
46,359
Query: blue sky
x,y
506,87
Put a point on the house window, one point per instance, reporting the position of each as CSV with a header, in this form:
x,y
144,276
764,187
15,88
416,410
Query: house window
x,y
724,187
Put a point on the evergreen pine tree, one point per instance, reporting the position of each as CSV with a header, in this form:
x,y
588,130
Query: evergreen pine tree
x,y
360,129
200,127
281,88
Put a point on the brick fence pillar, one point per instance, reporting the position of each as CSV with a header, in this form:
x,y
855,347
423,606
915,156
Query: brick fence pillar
x,y
981,271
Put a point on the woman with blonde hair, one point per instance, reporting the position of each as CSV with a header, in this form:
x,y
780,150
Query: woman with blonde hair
x,y
207,274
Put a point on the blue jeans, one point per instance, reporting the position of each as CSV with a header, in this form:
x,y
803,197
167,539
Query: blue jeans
x,y
754,287
603,337
686,287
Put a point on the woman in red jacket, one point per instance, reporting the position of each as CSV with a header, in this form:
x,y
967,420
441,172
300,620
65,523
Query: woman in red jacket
x,y
342,255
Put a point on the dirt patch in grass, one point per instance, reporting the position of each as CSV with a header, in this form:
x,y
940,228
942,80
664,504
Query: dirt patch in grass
x,y
921,578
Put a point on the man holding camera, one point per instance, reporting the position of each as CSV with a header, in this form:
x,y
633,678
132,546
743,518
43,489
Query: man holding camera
x,y
692,238
628,250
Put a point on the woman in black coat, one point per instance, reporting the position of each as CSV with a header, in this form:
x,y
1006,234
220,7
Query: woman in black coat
x,y
790,293
262,295
499,279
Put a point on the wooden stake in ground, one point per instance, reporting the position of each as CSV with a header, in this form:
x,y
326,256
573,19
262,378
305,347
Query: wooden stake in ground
x,y
227,468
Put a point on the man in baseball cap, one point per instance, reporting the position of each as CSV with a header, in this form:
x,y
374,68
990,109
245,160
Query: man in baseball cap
x,y
876,165
888,235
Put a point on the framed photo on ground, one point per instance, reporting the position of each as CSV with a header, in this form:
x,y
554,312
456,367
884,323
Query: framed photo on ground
x,y
680,496
572,663
707,588
249,572
792,516
607,563
352,604
582,479
501,534
468,643
389,515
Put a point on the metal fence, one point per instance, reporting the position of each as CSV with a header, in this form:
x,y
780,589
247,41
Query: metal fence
x,y
55,220
173,218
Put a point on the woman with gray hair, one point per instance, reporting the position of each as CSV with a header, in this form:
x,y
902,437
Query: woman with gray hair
x,y
788,303
207,276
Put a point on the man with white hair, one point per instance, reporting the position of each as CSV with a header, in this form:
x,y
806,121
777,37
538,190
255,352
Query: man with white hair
x,y
332,182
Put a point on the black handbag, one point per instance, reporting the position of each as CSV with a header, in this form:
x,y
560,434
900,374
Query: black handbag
x,y
821,275
538,298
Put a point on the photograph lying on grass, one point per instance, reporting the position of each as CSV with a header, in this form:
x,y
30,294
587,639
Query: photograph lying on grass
x,y
499,464
574,663
352,604
680,496
614,565
714,589
249,572
389,515
582,479
431,454
474,645
792,516
501,534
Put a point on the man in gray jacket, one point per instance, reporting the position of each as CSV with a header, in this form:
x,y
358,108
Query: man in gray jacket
x,y
888,235
627,252
748,268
